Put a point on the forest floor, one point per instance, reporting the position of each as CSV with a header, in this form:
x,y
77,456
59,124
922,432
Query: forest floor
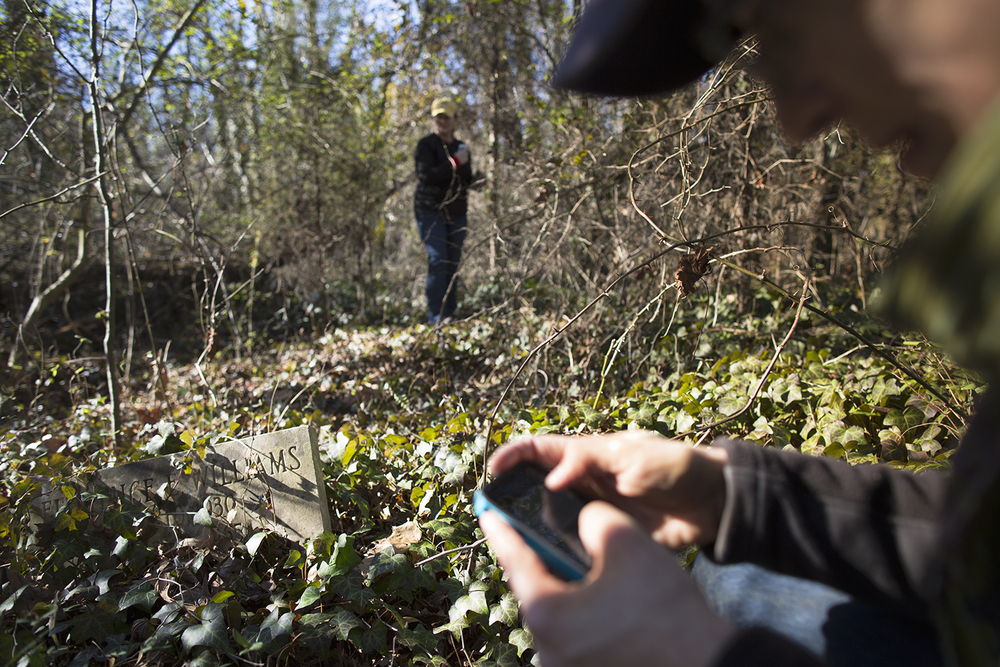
x,y
406,418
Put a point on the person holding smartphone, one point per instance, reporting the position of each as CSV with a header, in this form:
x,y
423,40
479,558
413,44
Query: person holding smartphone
x,y
914,559
440,202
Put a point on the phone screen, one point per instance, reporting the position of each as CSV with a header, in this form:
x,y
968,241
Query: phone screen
x,y
520,492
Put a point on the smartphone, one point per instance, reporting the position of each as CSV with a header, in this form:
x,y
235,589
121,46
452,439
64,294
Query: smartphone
x,y
547,520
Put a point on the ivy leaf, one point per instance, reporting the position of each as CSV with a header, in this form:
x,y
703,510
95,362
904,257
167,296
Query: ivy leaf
x,y
94,626
685,421
103,581
309,596
294,559
928,440
505,611
65,522
211,631
404,582
161,445
500,656
203,659
202,517
314,632
731,403
342,621
276,626
419,637
883,389
119,523
222,596
253,544
344,555
522,639
442,529
926,407
8,604
474,602
143,596
384,563
371,639
81,659
350,587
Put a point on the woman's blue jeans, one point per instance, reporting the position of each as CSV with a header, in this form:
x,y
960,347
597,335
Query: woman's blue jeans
x,y
842,630
442,236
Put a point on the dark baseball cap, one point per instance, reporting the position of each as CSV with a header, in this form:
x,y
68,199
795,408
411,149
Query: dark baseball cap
x,y
639,47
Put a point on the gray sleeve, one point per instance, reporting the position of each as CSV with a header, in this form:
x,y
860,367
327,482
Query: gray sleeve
x,y
868,530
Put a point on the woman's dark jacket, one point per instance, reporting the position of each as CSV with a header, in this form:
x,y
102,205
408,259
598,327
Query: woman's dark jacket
x,y
440,187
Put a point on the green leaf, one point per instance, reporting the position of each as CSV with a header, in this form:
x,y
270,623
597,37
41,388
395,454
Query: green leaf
x,y
294,559
94,626
143,595
474,602
119,523
349,451
202,517
371,639
522,639
442,529
499,656
730,404
505,611
222,596
210,631
253,544
314,632
384,563
419,637
276,627
410,579
341,621
8,604
345,557
64,522
309,596
351,587
103,580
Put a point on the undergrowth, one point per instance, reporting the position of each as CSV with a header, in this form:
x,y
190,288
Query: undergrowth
x,y
406,418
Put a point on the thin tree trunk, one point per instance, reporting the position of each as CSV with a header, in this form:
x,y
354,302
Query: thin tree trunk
x,y
114,390
52,293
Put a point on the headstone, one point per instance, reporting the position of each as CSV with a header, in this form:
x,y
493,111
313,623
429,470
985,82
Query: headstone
x,y
169,486
266,482
272,481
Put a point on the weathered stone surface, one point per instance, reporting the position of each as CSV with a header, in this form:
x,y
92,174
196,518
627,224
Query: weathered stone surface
x,y
267,482
272,481
170,486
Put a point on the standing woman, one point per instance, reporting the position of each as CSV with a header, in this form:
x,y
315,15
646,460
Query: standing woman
x,y
444,171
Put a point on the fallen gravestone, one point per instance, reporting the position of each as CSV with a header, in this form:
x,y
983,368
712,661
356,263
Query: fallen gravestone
x,y
271,482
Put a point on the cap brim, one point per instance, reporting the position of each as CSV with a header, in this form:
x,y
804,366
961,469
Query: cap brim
x,y
633,48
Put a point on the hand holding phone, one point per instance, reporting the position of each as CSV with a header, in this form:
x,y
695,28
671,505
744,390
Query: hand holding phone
x,y
547,520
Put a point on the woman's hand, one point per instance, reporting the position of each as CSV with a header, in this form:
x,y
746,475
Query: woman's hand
x,y
676,491
635,607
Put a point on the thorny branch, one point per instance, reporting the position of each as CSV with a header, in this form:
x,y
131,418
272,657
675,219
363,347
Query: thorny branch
x,y
606,292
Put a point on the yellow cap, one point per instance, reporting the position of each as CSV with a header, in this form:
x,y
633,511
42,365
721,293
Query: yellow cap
x,y
444,105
